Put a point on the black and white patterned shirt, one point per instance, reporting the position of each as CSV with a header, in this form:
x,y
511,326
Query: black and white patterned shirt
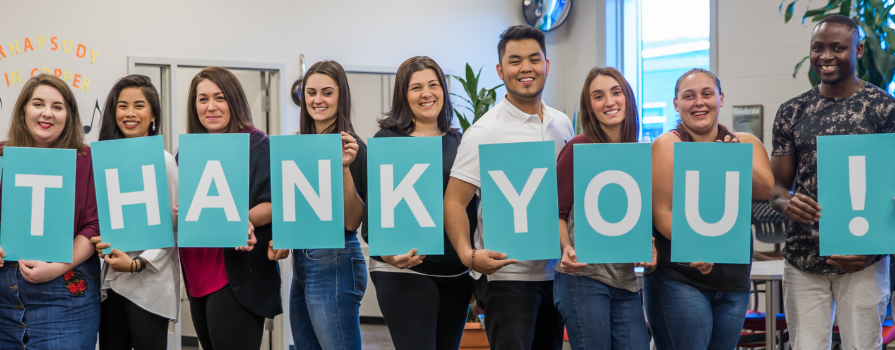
x,y
799,121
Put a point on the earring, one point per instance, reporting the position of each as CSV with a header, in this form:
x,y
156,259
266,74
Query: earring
x,y
153,125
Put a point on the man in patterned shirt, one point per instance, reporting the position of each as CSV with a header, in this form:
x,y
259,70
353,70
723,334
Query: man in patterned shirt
x,y
816,286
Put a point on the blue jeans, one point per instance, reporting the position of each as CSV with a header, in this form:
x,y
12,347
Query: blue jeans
x,y
327,287
50,315
598,316
682,317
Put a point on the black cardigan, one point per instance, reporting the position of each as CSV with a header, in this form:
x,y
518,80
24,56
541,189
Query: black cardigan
x,y
255,279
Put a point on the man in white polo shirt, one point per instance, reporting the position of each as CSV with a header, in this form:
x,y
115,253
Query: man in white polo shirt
x,y
517,296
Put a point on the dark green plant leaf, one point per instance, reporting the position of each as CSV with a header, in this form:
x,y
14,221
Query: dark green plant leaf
x,y
464,123
799,66
464,98
812,76
845,8
471,82
787,15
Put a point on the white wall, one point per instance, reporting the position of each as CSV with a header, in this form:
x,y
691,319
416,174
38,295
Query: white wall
x,y
355,32
756,56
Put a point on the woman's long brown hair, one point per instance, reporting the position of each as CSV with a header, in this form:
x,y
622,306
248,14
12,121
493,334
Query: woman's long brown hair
x,y
590,124
72,136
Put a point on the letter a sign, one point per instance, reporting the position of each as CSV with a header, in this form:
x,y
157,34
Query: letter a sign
x,y
711,212
405,195
519,205
213,190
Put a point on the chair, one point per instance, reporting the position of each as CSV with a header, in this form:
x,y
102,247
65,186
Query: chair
x,y
769,227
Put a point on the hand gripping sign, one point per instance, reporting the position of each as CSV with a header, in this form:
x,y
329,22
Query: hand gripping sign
x,y
132,193
39,204
711,205
306,191
519,204
213,190
405,197
855,189
613,203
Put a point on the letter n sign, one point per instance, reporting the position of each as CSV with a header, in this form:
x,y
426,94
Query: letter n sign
x,y
711,205
306,189
519,206
613,203
405,192
39,204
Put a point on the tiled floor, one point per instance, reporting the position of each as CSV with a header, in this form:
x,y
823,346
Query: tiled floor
x,y
375,337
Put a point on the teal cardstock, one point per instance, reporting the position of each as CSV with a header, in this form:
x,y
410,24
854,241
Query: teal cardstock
x,y
855,191
306,189
405,195
523,174
39,204
132,193
213,190
712,203
613,203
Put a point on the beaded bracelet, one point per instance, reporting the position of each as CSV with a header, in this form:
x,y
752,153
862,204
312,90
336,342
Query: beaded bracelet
x,y
472,261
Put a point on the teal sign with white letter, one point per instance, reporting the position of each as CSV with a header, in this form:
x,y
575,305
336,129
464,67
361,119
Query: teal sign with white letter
x,y
855,191
519,204
38,204
132,193
213,190
306,191
613,203
711,207
405,197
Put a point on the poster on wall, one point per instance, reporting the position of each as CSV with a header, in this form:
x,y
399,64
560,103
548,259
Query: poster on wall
x,y
73,59
749,119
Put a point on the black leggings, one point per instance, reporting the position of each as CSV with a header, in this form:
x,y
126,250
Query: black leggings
x,y
423,312
124,325
222,322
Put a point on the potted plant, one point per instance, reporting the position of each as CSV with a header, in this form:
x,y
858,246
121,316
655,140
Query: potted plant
x,y
477,103
474,336
877,66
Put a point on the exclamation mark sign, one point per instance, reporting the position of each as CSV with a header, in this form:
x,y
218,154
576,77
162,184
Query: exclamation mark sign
x,y
857,188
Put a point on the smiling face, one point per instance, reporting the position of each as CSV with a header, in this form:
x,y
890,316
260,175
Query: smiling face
x,y
425,95
523,68
698,101
321,97
834,52
608,101
212,107
45,115
132,113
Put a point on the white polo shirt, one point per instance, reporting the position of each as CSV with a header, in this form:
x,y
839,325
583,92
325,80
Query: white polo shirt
x,y
507,124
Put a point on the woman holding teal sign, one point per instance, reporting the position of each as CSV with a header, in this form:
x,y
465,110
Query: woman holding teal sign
x,y
132,316
58,304
697,305
328,284
424,299
232,290
600,303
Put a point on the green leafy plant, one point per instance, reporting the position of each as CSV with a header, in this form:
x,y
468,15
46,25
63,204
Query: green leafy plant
x,y
478,102
475,314
877,66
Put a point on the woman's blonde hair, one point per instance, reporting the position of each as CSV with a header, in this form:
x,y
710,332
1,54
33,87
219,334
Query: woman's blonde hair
x,y
72,136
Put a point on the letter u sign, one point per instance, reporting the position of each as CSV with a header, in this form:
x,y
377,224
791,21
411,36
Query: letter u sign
x,y
711,208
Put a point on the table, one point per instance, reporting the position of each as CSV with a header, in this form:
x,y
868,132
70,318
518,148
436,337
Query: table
x,y
772,273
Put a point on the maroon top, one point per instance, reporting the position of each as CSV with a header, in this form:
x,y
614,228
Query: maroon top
x,y
565,176
86,219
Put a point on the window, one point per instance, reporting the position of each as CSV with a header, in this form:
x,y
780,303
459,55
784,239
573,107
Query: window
x,y
656,42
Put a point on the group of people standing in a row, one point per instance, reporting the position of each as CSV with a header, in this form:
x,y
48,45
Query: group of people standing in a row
x,y
424,299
